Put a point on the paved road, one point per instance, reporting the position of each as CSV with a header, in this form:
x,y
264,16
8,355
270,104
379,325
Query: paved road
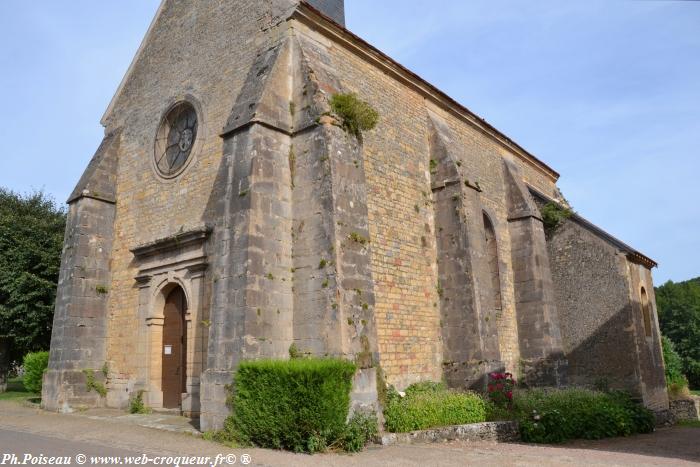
x,y
29,430
23,444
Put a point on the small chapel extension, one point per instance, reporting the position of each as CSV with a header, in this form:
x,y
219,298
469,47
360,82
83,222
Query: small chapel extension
x,y
228,216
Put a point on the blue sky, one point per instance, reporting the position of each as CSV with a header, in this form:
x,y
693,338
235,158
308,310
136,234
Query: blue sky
x,y
606,92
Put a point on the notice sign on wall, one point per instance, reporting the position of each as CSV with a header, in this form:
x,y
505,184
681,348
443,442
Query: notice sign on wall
x,y
168,350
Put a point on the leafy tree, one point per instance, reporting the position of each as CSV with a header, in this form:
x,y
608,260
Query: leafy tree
x,y
679,317
675,374
31,240
673,361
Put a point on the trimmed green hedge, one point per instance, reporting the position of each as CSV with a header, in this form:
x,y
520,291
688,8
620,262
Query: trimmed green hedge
x,y
34,364
555,416
299,405
429,405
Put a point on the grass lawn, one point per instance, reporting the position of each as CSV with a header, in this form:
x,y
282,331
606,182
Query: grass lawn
x,y
689,423
695,392
16,391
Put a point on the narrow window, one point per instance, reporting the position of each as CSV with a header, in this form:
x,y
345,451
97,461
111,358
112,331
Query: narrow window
x,y
492,256
646,312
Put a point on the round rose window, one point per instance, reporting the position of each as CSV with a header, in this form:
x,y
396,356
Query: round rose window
x,y
175,139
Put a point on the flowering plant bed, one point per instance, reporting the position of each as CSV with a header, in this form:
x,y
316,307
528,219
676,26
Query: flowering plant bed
x,y
500,389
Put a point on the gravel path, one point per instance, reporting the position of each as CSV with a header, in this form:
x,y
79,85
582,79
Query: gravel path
x,y
24,428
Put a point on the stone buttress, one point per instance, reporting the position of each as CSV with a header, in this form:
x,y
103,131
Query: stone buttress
x,y
542,361
292,244
468,311
79,337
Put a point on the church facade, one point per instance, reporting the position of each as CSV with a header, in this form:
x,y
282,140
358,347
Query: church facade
x,y
227,215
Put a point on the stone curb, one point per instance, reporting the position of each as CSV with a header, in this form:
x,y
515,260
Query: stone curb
x,y
487,431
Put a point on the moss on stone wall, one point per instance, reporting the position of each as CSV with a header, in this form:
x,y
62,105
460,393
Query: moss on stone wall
x,y
356,115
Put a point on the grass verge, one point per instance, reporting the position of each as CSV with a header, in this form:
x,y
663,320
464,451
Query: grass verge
x,y
17,392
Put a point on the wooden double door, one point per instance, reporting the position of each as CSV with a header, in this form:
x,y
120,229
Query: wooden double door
x,y
174,350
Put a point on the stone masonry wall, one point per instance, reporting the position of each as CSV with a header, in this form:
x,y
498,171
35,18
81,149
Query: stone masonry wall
x,y
396,164
649,350
211,71
349,262
201,51
600,321
78,339
396,160
79,334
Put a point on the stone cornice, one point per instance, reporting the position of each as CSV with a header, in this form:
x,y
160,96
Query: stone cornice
x,y
172,242
318,22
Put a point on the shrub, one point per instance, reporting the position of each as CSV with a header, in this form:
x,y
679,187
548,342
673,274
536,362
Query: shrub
x,y
431,405
359,431
676,381
553,216
555,416
425,387
137,406
35,364
357,115
299,405
692,371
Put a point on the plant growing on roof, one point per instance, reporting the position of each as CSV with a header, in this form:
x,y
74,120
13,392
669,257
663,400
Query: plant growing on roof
x,y
553,216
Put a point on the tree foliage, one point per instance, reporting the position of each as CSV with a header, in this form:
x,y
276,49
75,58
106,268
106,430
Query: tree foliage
x,y
679,317
676,381
31,240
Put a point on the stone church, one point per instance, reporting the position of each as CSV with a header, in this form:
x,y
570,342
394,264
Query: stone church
x,y
228,215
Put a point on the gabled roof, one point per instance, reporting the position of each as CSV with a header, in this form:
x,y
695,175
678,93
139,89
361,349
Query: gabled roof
x,y
326,26
136,58
632,254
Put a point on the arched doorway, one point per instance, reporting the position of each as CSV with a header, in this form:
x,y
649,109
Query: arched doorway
x,y
174,349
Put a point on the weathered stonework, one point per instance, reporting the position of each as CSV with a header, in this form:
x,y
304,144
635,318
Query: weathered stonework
x,y
598,296
416,250
487,431
686,409
79,338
